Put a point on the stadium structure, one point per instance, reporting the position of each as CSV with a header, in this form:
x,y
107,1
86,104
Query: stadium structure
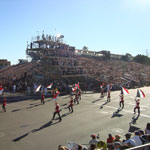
x,y
52,60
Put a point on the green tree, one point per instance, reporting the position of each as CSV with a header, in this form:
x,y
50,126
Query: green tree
x,y
85,48
142,59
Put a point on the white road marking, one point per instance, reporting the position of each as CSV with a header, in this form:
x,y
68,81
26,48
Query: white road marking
x,y
105,112
131,112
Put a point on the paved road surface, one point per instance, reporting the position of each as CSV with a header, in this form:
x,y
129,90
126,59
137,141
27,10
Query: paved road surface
x,y
26,124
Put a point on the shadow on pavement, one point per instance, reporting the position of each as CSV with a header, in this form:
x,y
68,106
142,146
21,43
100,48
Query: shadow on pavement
x,y
134,119
64,104
116,113
96,100
66,114
48,124
20,137
133,128
33,106
103,105
16,110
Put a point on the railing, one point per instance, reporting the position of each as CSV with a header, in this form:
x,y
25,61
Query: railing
x,y
141,147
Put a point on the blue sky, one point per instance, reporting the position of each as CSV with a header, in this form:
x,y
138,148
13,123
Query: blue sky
x,y
121,26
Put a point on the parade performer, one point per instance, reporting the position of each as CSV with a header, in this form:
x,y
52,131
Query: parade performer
x,y
108,96
102,90
42,98
79,94
70,107
121,103
55,95
57,111
137,100
76,99
4,104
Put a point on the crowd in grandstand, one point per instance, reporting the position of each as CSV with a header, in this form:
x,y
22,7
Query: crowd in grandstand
x,y
118,72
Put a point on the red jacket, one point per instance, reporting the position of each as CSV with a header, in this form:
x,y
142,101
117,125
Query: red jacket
x,y
57,108
4,102
76,96
121,98
137,104
108,94
42,97
71,102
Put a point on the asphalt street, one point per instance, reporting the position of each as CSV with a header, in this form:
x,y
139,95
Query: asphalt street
x,y
26,124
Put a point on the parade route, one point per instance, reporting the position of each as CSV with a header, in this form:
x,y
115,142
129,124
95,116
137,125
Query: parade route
x,y
27,124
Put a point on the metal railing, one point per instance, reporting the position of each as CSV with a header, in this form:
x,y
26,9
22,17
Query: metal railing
x,y
140,147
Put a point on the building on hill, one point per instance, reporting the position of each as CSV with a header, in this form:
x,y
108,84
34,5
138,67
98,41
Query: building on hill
x,y
127,57
115,57
4,63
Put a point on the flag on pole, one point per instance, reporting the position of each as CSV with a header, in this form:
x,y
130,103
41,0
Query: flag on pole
x,y
50,86
38,89
140,93
74,89
1,90
124,91
77,85
56,96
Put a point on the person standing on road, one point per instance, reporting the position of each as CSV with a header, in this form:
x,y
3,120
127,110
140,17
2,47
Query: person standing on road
x,y
57,111
121,103
137,106
76,99
4,104
102,90
79,93
42,98
108,96
70,107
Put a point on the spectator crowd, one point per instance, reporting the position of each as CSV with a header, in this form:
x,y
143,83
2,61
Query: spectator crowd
x,y
116,142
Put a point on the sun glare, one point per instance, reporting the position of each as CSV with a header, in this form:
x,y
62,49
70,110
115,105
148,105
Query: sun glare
x,y
138,5
143,2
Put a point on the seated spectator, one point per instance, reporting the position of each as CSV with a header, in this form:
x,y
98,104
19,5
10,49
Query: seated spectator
x,y
144,138
92,147
137,139
79,147
102,145
147,129
141,132
141,135
60,147
128,142
93,140
110,141
82,147
117,146
117,138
